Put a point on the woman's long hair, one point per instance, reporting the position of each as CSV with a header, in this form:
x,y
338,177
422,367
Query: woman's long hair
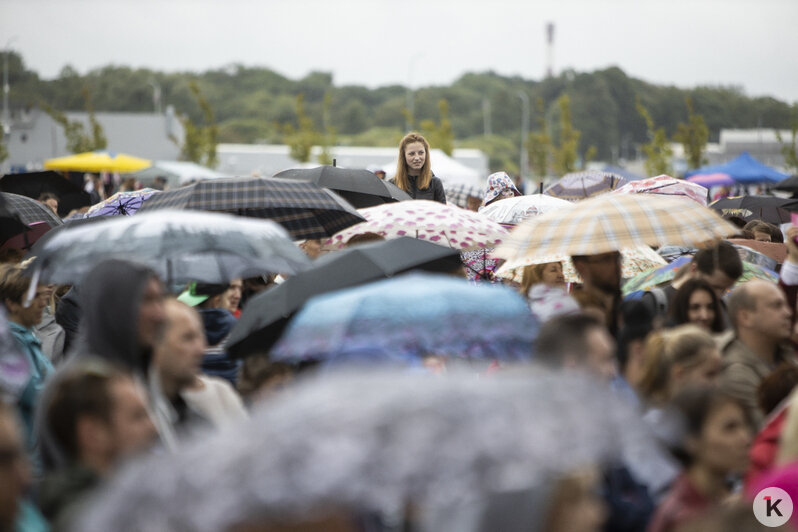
x,y
424,179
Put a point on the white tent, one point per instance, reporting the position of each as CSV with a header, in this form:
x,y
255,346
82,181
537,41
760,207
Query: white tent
x,y
177,172
446,169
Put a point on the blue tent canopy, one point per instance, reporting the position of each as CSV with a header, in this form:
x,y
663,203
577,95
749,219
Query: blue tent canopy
x,y
744,169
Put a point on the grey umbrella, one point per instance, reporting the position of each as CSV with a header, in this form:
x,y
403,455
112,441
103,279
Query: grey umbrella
x,y
374,442
180,246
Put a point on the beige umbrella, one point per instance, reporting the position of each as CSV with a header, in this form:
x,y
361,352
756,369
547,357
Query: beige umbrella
x,y
614,222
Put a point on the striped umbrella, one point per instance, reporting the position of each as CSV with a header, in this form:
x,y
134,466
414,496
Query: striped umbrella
x,y
304,209
665,185
581,185
29,210
614,222
458,193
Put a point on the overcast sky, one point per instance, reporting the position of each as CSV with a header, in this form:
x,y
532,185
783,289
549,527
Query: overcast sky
x,y
749,43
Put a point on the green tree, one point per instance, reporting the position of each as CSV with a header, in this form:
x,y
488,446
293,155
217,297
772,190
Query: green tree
x,y
302,137
788,149
78,140
439,135
658,151
539,143
199,141
3,152
693,136
329,137
566,153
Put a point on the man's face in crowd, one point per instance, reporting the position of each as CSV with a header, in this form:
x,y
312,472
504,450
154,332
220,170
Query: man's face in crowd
x,y
151,314
772,316
602,271
32,314
179,353
131,428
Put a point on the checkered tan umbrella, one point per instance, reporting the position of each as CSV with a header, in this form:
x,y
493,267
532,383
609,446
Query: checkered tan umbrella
x,y
614,222
29,210
580,185
434,222
304,209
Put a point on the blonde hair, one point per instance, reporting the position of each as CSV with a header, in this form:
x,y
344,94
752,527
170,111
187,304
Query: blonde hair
x,y
425,177
532,275
684,345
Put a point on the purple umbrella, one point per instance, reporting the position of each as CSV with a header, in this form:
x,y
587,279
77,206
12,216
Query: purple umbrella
x,y
121,203
712,180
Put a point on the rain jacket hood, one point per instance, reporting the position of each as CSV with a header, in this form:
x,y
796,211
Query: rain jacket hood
x,y
110,299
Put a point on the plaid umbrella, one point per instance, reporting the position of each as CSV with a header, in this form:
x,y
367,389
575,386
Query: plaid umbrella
x,y
581,185
428,220
458,193
665,185
121,203
614,222
10,224
361,188
180,246
304,209
29,210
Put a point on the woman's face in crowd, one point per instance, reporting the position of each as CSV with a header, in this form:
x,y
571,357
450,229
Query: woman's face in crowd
x,y
703,374
700,309
762,237
552,274
724,440
415,156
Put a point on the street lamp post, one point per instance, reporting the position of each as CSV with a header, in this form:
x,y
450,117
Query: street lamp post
x,y
410,97
524,166
6,114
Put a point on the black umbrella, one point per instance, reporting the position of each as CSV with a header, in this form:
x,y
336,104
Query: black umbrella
x,y
10,224
34,184
767,208
304,209
266,315
788,185
361,188
29,210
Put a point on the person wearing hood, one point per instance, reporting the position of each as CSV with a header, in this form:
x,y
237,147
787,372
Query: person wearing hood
x,y
500,186
218,321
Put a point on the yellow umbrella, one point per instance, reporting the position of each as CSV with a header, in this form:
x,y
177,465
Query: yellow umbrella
x,y
97,161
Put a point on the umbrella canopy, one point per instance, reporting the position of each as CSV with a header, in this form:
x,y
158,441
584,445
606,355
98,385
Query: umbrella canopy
x,y
428,220
27,237
376,442
614,222
10,223
581,185
406,318
743,169
776,251
97,161
29,210
789,185
767,208
266,315
121,204
458,193
665,274
180,246
633,262
712,180
665,185
516,210
34,184
361,188
304,209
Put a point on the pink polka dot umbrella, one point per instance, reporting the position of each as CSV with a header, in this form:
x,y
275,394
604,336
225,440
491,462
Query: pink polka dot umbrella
x,y
435,222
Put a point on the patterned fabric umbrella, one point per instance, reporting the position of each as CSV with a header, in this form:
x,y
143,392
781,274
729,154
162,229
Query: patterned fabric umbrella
x,y
665,185
428,220
374,442
665,274
180,246
516,210
633,262
121,203
770,209
29,210
580,185
712,180
458,193
614,222
304,209
405,318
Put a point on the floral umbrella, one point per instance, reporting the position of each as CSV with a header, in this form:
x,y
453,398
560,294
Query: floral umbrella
x,y
580,185
427,220
121,203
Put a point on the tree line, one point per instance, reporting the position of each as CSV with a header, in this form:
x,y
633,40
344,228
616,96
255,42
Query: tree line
x,y
253,104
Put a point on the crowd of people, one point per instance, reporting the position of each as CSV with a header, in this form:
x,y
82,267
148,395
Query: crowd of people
x,y
117,368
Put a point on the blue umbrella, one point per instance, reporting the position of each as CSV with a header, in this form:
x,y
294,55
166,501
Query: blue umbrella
x,y
121,203
405,318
